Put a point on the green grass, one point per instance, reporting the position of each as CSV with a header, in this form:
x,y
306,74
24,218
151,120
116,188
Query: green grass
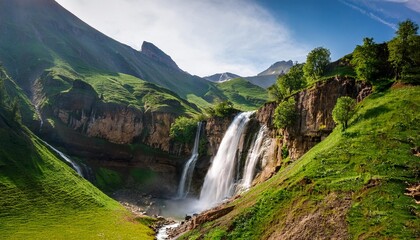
x,y
370,164
107,180
244,95
43,198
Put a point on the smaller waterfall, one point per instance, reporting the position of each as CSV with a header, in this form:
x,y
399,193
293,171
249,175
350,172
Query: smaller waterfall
x,y
187,172
219,182
67,159
256,153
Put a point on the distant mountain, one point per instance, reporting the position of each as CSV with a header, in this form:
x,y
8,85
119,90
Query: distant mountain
x,y
150,50
221,77
269,76
277,68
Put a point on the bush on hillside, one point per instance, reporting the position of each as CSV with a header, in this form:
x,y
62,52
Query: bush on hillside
x,y
183,130
222,109
285,114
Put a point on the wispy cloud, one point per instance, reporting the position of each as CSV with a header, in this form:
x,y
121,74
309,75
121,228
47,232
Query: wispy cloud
x,y
411,4
203,37
370,14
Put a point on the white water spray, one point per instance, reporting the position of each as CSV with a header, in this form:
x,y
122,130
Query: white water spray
x,y
187,172
219,182
254,155
67,159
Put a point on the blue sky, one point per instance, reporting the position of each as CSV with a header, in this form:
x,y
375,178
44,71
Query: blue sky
x,y
244,36
341,24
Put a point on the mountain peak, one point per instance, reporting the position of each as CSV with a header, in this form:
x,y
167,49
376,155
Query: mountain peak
x,y
153,52
221,77
277,68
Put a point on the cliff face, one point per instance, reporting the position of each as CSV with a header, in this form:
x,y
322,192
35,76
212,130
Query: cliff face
x,y
83,111
314,107
215,129
114,136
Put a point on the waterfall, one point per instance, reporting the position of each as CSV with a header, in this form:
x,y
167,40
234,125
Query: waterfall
x,y
255,153
219,182
67,159
187,172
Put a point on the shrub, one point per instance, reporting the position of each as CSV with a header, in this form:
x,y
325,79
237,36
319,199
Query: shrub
x,y
222,109
183,129
285,114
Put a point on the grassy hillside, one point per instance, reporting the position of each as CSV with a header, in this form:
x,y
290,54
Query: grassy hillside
x,y
115,88
43,198
351,185
244,95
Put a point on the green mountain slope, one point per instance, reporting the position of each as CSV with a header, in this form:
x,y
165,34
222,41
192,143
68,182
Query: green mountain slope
x,y
43,198
116,88
38,35
245,95
351,185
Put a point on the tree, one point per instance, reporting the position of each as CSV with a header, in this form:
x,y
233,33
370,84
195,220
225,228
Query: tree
x,y
292,81
343,111
366,60
403,48
285,114
316,63
288,83
275,93
183,129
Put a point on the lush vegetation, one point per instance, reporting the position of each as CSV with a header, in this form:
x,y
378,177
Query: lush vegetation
x,y
243,94
357,177
183,129
369,60
288,83
43,198
285,114
343,111
316,63
404,52
221,109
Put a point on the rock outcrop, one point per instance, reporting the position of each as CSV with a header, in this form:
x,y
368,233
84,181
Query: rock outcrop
x,y
83,111
314,107
314,123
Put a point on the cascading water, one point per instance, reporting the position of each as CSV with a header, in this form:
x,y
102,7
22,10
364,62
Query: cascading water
x,y
62,155
187,172
255,153
219,182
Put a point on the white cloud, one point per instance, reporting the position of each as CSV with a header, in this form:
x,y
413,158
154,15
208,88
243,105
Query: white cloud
x,y
202,36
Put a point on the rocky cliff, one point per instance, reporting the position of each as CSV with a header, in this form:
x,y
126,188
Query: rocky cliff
x,y
83,111
113,136
314,107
